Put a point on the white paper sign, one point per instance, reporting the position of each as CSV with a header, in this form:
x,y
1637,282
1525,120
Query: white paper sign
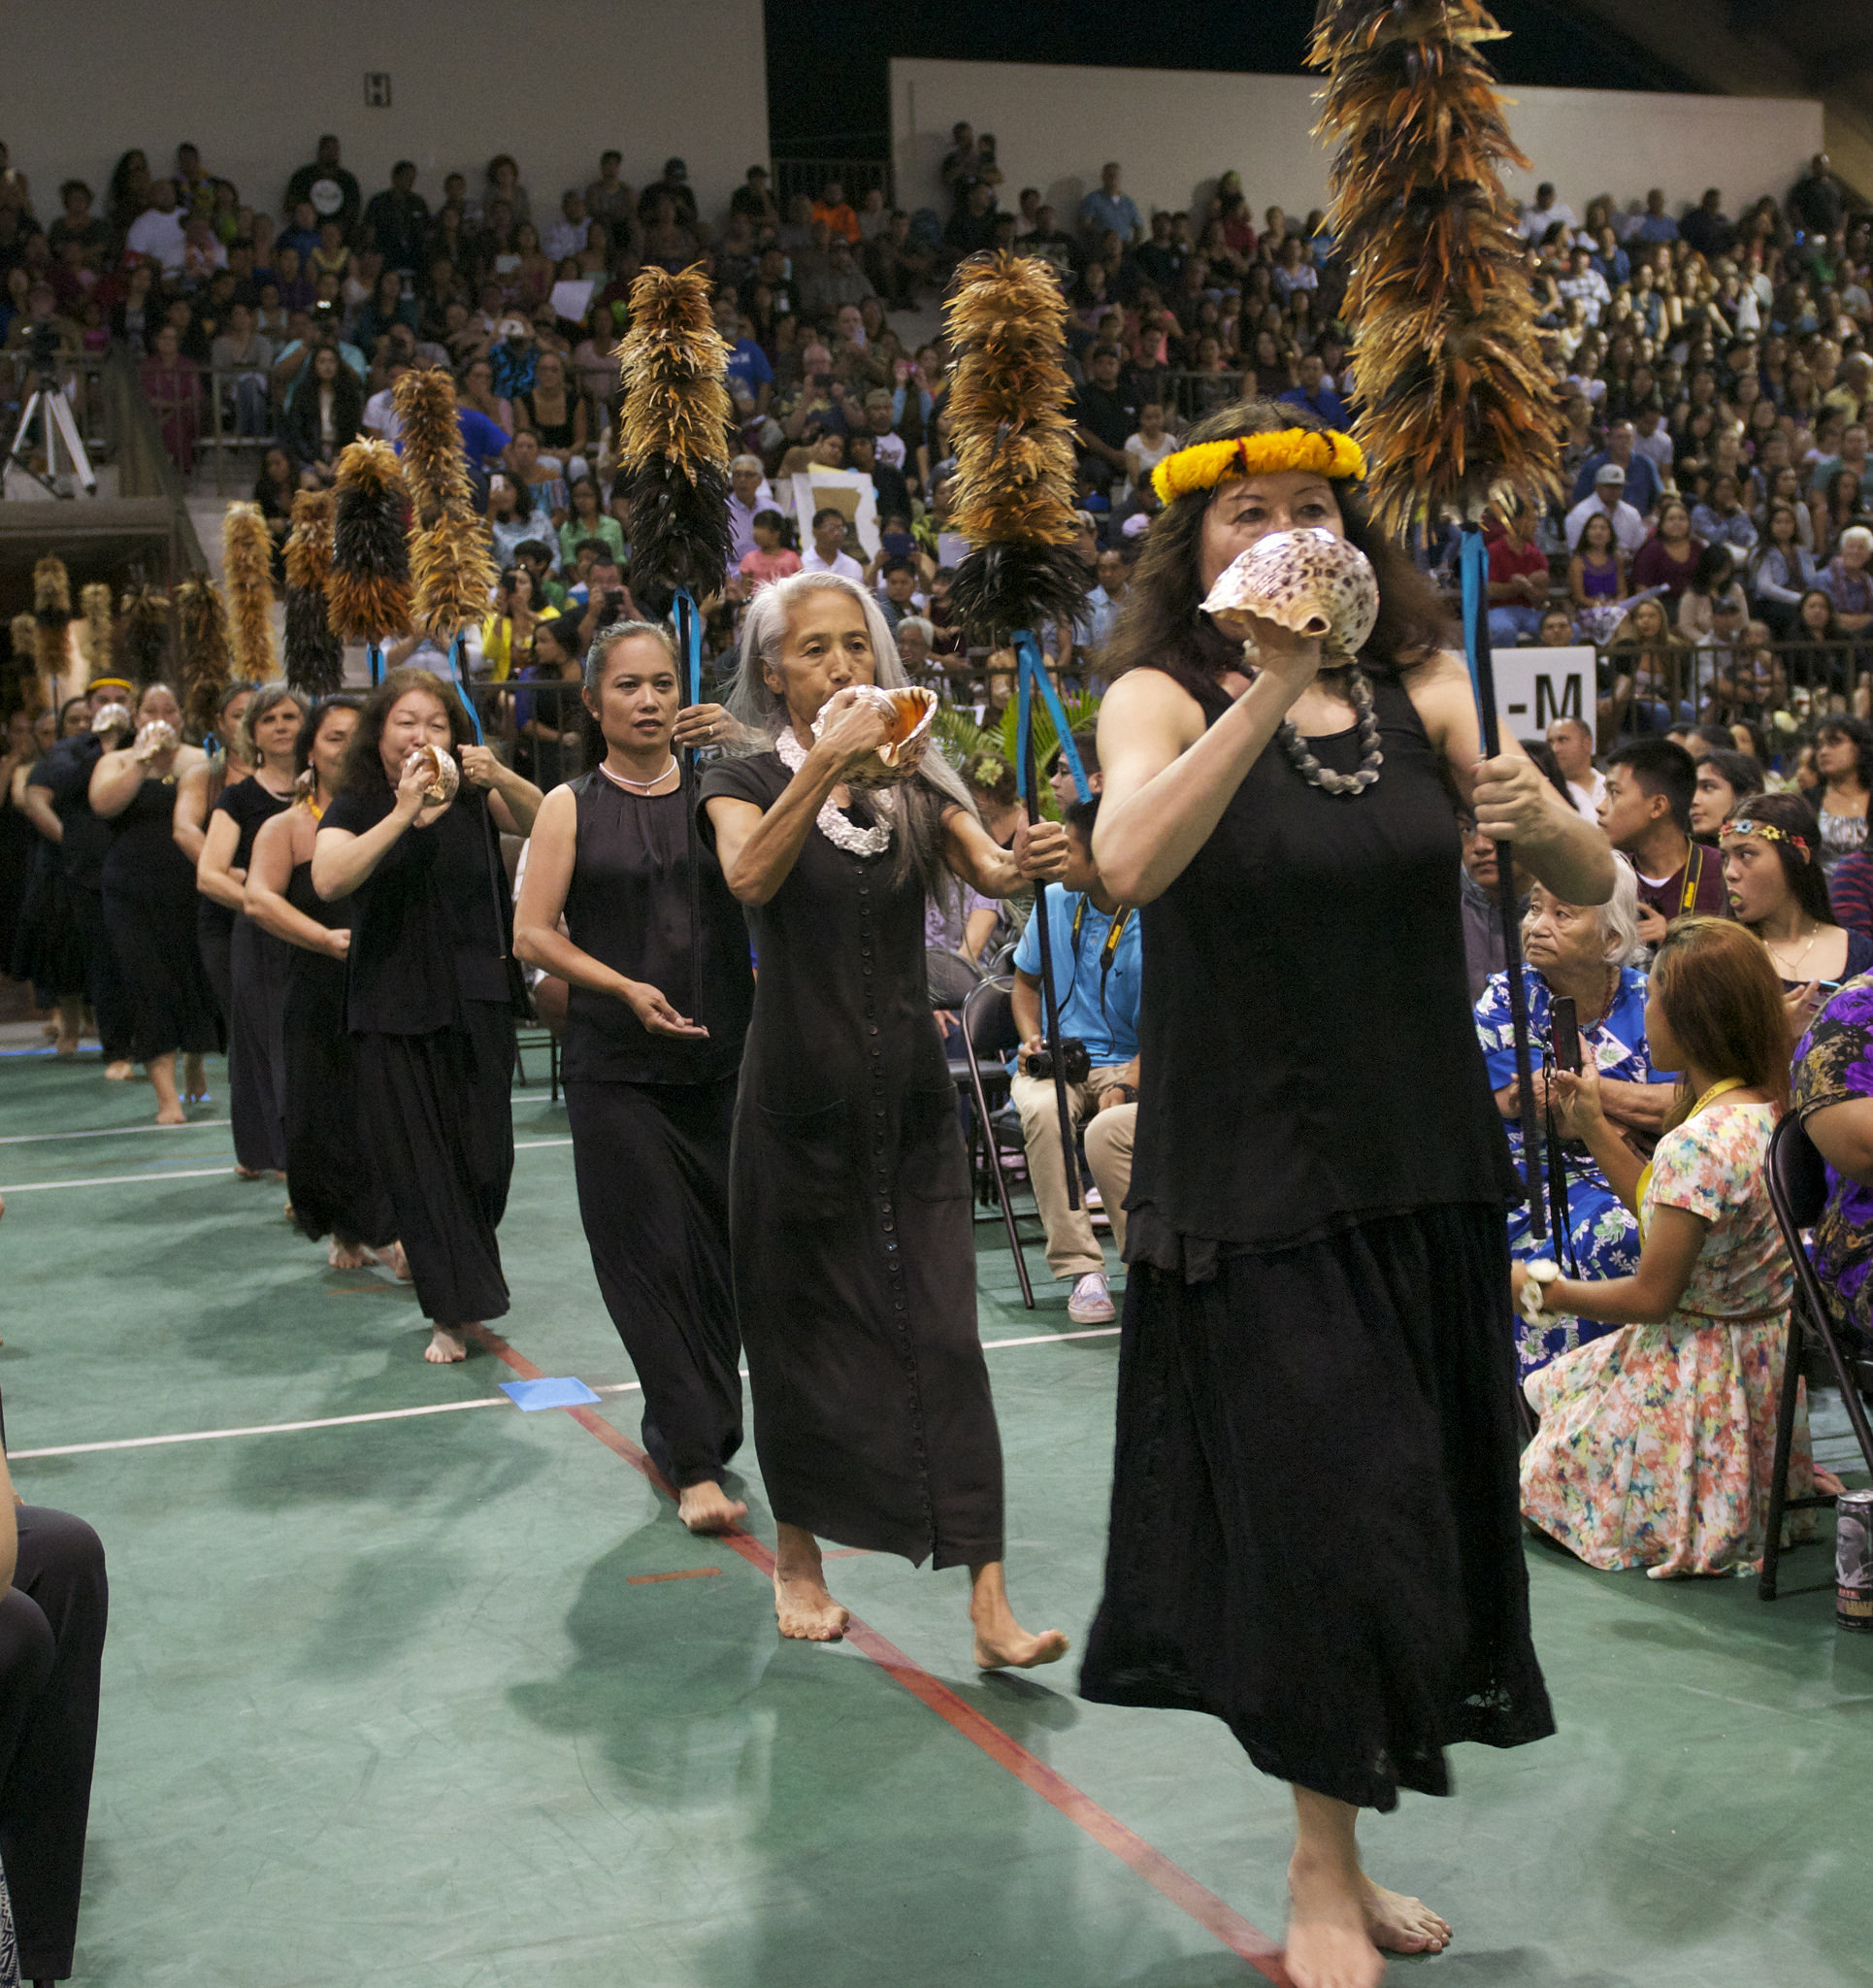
x,y
571,300
848,490
1534,686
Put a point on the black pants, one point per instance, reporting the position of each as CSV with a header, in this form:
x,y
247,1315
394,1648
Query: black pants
x,y
437,1112
652,1166
52,1647
256,1025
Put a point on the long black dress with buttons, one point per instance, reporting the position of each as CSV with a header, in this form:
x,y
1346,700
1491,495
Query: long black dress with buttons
x,y
854,1249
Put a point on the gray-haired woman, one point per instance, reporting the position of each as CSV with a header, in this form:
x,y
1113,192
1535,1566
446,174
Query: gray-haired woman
x,y
854,1251
1592,955
654,1021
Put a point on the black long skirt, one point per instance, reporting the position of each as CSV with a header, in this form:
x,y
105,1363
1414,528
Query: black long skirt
x,y
1315,1530
256,1025
437,1113
214,935
652,1166
331,1179
151,935
45,948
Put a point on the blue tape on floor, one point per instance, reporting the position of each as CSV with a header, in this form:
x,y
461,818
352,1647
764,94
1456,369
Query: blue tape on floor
x,y
552,1393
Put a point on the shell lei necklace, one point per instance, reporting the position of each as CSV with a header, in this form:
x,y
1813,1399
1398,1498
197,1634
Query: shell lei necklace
x,y
832,820
638,786
1371,758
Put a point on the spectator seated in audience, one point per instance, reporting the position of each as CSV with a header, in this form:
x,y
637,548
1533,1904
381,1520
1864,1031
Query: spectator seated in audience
x,y
1597,571
1572,743
1726,779
1650,785
1713,584
1655,1441
1608,499
1781,568
1771,869
1518,572
1096,960
1648,667
1592,956
771,557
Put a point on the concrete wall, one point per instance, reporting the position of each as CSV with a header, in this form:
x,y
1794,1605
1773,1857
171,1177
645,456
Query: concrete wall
x,y
1175,131
255,85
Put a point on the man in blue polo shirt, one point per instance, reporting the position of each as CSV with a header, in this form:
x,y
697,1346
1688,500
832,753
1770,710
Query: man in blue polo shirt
x,y
1097,967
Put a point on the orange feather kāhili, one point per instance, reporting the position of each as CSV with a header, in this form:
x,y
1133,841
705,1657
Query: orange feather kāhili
x,y
1450,395
94,639
451,563
247,576
1013,438
28,687
434,465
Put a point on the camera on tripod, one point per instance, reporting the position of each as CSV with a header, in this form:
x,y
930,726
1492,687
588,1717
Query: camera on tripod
x,y
1075,1065
42,353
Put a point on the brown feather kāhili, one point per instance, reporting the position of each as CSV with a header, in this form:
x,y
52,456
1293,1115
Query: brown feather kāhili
x,y
53,610
368,589
247,578
314,656
452,565
146,634
94,600
1013,438
673,437
1451,394
26,687
434,465
208,660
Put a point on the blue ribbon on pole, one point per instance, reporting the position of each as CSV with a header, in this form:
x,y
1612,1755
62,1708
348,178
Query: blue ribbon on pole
x,y
374,655
1473,566
1031,675
689,634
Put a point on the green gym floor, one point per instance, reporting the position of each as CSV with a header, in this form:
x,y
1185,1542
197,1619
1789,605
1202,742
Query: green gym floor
x,y
426,1698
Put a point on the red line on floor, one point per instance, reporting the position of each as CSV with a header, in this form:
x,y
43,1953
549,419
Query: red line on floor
x,y
1222,1921
639,1581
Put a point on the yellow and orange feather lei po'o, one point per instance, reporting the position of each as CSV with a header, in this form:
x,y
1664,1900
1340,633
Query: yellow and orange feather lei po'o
x,y
1206,464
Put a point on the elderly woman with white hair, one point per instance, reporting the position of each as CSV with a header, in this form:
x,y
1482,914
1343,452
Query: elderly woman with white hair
x,y
1590,955
849,1197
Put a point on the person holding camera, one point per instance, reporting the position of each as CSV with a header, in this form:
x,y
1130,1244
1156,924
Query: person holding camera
x,y
1097,964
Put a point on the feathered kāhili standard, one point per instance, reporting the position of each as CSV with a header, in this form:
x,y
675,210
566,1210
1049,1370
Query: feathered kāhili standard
x,y
246,576
1014,448
673,437
53,610
28,687
368,589
94,603
1451,393
208,659
314,655
146,634
434,466
453,564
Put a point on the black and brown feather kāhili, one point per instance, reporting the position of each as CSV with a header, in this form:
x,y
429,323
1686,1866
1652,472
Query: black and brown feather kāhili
x,y
435,464
53,612
94,604
1451,394
1013,438
673,437
314,655
146,635
368,588
246,580
208,657
25,687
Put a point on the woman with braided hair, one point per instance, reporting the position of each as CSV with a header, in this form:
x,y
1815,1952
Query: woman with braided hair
x,y
1314,1531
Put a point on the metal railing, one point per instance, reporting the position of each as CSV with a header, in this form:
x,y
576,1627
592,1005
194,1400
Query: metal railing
x,y
1653,687
857,176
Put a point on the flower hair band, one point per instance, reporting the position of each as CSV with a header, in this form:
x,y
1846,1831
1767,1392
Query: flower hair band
x,y
1205,464
1768,832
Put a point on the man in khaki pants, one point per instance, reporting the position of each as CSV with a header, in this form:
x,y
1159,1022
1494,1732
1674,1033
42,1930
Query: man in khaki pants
x,y
1096,961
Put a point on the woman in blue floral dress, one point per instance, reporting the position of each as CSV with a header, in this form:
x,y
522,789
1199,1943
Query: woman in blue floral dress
x,y
1583,952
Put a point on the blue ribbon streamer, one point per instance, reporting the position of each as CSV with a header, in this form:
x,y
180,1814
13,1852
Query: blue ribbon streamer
x,y
1031,675
689,634
1473,565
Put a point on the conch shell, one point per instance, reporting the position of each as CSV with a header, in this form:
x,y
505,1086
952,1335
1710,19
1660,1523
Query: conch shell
x,y
1311,582
157,735
444,774
111,717
911,710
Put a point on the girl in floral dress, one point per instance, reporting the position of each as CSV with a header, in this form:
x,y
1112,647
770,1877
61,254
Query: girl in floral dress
x,y
1656,1443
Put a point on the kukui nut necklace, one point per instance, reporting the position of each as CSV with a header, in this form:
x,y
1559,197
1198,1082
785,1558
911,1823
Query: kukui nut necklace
x,y
831,821
1371,758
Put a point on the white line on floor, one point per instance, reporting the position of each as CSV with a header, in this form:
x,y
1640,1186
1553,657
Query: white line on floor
x,y
114,1130
486,1401
520,1145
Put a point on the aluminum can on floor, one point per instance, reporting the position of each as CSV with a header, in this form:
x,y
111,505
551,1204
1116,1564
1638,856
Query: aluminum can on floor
x,y
1854,1561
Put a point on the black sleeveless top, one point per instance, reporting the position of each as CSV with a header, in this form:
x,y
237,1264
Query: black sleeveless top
x,y
145,859
628,906
65,771
1308,1053
335,916
250,806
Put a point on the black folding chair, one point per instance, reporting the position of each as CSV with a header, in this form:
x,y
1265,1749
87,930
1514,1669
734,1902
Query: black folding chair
x,y
989,1033
1797,1180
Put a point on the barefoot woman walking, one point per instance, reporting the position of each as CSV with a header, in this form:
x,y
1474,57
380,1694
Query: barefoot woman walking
x,y
854,1249
1314,1509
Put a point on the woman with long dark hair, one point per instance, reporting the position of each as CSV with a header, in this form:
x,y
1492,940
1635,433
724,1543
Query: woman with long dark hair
x,y
1844,760
331,1180
652,1052
149,903
849,1199
1771,846
1316,1239
257,962
434,988
325,417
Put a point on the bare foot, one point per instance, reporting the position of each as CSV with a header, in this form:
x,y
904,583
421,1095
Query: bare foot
x,y
1329,1944
1001,1642
171,1114
803,1608
242,1173
445,1346
195,1080
347,1255
1397,1924
705,1508
399,1263
65,1047
120,1071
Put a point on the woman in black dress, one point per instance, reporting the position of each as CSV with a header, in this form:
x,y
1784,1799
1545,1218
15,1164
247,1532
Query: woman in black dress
x,y
854,1249
257,962
330,1183
434,987
1314,1531
651,1085
149,903
196,794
